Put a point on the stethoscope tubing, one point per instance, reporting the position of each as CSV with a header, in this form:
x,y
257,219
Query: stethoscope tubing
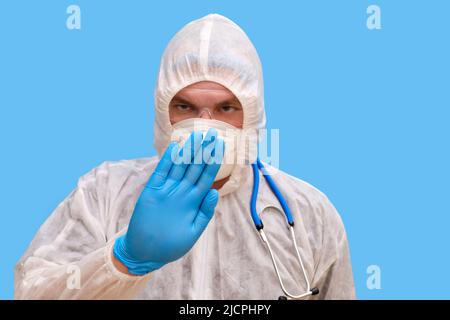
x,y
258,166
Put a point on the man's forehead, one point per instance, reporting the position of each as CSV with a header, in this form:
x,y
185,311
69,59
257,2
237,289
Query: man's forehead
x,y
206,90
206,85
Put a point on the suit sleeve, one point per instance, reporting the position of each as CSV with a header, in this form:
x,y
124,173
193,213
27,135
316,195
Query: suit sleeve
x,y
71,256
334,276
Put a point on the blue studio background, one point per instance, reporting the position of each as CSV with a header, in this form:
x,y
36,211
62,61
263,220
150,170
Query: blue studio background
x,y
363,115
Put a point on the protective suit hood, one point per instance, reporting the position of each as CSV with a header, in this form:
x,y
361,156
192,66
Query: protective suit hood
x,y
212,48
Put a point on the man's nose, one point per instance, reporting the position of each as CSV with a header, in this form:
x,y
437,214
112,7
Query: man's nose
x,y
205,114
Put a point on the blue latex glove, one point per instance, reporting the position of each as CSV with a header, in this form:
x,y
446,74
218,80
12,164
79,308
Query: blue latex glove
x,y
175,206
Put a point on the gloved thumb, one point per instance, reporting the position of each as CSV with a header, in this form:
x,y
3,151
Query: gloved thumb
x,y
206,211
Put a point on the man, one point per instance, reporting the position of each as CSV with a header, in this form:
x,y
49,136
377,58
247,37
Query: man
x,y
160,228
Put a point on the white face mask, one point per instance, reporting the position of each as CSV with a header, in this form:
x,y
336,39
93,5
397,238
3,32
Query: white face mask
x,y
230,134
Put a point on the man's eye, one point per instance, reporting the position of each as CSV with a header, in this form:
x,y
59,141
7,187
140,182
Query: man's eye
x,y
227,109
183,107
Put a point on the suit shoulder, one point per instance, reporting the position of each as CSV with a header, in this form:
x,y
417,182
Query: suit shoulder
x,y
117,169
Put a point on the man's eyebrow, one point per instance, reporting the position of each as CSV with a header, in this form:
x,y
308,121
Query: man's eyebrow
x,y
180,100
233,101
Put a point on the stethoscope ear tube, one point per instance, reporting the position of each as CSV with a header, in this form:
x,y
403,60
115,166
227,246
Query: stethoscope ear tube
x,y
276,191
313,291
256,220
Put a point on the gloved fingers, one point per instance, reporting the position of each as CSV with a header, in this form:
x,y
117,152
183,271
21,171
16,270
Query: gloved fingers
x,y
195,169
213,162
186,155
159,176
206,211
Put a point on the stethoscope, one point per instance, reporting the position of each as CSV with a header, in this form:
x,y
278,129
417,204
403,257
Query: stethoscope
x,y
290,220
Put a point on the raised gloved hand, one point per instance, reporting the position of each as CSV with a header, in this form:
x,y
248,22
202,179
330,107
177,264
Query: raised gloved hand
x,y
175,206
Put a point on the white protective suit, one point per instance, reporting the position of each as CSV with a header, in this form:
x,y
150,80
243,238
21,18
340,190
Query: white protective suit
x,y
229,261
